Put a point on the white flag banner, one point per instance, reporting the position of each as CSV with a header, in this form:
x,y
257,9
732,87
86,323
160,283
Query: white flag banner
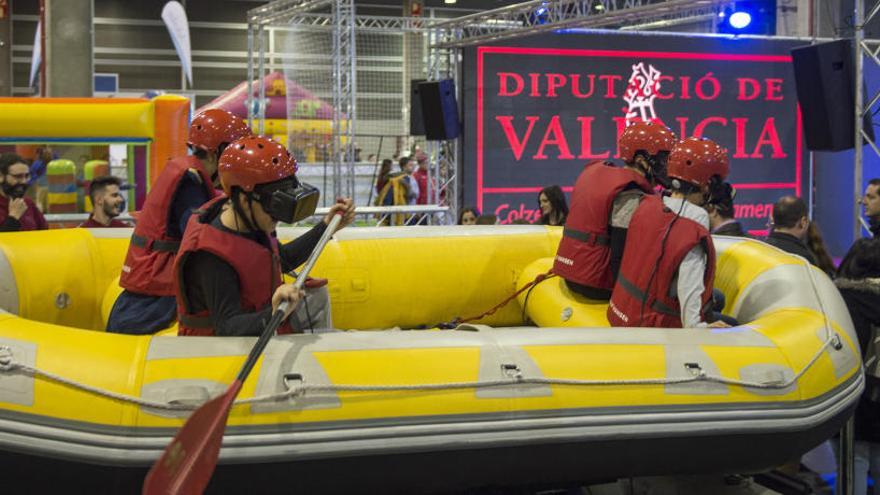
x,y
37,55
178,27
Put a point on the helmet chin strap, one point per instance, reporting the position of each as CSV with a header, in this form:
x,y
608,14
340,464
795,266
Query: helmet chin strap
x,y
249,223
645,166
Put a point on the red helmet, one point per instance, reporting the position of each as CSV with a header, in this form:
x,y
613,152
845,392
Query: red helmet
x,y
214,127
650,137
696,160
254,160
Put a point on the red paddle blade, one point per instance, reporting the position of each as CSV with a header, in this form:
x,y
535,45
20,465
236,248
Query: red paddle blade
x,y
188,462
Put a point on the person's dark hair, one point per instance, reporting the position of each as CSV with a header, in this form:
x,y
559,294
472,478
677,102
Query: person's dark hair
x,y
382,176
557,201
98,184
386,167
862,260
787,211
9,159
874,182
403,161
199,153
721,196
487,220
817,245
203,155
472,209
724,209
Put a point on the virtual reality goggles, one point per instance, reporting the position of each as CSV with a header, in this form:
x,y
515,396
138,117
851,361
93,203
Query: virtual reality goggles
x,y
288,200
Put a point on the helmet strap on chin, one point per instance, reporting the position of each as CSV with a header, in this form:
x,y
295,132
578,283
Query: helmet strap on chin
x,y
248,219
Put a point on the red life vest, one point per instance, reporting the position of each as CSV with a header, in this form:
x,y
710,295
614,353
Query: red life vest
x,y
258,269
584,252
149,262
658,304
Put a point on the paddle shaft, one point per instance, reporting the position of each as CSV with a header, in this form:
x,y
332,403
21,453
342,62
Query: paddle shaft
x,y
278,314
188,462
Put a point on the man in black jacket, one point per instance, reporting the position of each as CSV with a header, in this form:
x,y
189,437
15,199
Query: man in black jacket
x,y
790,224
871,202
859,283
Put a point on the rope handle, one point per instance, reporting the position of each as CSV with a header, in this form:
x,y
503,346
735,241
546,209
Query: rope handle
x,y
8,364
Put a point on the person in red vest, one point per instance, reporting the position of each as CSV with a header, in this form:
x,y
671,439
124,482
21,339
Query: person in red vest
x,y
229,268
108,203
421,175
668,265
147,303
17,212
602,202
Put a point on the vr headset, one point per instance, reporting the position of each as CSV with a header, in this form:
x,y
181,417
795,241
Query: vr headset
x,y
288,200
720,192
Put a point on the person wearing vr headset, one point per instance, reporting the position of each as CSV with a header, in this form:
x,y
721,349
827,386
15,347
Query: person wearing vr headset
x,y
228,272
602,202
668,265
147,303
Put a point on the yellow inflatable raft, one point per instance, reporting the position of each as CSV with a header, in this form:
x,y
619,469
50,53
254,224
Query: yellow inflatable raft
x,y
499,402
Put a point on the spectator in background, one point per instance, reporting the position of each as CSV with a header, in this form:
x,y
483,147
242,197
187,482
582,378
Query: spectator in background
x,y
421,176
790,224
107,202
399,189
17,212
384,172
487,220
817,246
468,216
871,202
407,166
859,284
554,209
721,220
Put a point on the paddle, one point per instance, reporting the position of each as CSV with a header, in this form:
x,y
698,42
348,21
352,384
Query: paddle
x,y
188,462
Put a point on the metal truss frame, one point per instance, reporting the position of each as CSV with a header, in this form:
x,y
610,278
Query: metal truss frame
x,y
446,38
863,49
341,20
344,55
536,16
363,23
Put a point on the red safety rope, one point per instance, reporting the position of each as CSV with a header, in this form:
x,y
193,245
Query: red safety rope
x,y
458,320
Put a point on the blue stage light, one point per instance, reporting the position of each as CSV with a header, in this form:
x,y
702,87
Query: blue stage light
x,y
740,20
748,17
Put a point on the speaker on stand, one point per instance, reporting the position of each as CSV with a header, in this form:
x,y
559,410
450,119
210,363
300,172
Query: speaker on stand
x,y
440,110
825,80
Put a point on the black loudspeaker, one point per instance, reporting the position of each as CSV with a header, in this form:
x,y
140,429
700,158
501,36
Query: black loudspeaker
x,y
825,81
440,110
416,118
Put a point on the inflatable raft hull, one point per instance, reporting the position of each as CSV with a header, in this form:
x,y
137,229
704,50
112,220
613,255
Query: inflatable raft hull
x,y
427,410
